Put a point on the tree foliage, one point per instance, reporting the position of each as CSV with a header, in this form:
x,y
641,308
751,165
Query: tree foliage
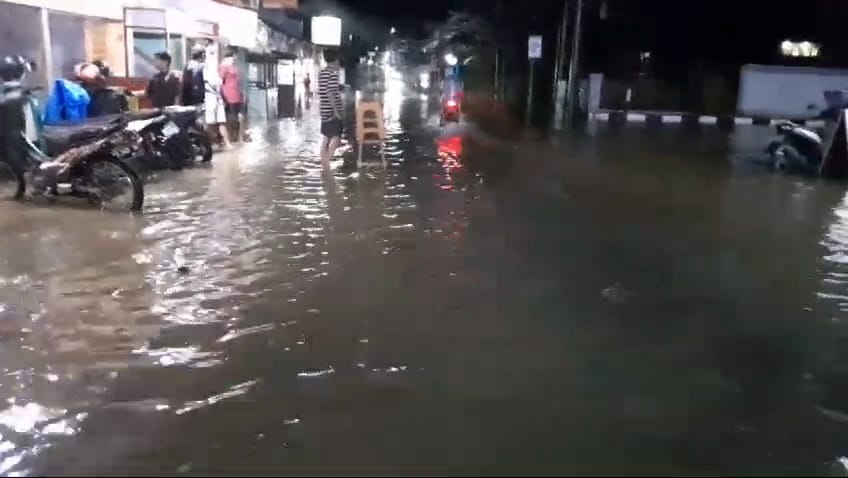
x,y
461,33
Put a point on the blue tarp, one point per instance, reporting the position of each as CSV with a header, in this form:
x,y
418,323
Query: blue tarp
x,y
68,103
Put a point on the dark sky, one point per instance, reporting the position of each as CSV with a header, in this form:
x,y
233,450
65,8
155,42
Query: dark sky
x,y
371,20
721,30
401,9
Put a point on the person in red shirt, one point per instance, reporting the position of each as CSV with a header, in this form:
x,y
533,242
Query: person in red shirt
x,y
231,90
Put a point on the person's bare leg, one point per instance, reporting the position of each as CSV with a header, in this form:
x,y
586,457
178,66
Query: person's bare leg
x,y
222,129
241,127
325,148
333,145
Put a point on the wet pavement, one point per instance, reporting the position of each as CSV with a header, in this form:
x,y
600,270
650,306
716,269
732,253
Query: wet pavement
x,y
634,301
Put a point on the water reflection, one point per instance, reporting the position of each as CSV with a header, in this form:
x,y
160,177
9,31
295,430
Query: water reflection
x,y
607,306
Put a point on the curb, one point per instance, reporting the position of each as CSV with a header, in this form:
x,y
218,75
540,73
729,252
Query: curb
x,y
618,116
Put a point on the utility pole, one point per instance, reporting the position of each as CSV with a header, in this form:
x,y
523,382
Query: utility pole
x,y
571,92
559,86
534,53
498,58
530,81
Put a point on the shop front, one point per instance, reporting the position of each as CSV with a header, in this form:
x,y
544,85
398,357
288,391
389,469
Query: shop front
x,y
178,26
151,30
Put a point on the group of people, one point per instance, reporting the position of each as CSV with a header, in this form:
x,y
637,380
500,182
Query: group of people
x,y
224,99
221,94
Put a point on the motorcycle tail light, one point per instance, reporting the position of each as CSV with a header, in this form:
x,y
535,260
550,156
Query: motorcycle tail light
x,y
451,104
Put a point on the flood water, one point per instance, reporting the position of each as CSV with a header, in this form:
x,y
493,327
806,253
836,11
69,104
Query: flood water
x,y
630,302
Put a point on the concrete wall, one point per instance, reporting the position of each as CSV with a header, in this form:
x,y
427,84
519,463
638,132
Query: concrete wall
x,y
104,40
21,34
237,26
786,92
67,43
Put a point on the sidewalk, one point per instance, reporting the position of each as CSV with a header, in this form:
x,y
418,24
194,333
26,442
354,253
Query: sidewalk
x,y
671,117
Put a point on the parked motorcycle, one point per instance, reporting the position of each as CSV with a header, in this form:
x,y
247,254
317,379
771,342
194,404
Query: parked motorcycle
x,y
189,142
174,138
796,149
86,160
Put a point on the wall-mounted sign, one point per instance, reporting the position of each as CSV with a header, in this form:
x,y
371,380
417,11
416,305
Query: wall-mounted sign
x,y
285,73
145,18
280,4
327,31
534,47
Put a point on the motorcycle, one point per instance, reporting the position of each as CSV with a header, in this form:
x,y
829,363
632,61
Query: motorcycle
x,y
86,161
188,142
451,110
173,139
796,149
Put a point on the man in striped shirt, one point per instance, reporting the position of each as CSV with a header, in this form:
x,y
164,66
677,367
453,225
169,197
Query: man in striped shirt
x,y
331,106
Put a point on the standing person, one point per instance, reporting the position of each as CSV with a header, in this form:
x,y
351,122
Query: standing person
x,y
194,85
330,100
231,90
164,88
213,102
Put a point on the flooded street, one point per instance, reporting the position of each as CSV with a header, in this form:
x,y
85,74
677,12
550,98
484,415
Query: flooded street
x,y
629,302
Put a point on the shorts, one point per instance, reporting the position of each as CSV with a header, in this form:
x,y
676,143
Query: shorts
x,y
234,108
216,113
332,128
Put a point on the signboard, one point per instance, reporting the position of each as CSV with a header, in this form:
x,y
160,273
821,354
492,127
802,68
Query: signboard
x,y
285,73
327,31
534,47
153,18
291,4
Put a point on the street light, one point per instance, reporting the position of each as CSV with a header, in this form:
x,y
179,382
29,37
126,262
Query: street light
x,y
393,30
451,59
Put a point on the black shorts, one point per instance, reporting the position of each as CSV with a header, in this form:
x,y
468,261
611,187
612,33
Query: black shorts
x,y
233,108
332,128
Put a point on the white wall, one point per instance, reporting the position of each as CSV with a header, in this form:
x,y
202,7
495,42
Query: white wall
x,y
112,9
786,91
237,26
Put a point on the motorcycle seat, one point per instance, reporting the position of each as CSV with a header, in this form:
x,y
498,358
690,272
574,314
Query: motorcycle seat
x,y
59,139
182,117
143,114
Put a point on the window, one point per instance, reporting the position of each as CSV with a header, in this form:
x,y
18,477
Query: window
x,y
177,51
145,45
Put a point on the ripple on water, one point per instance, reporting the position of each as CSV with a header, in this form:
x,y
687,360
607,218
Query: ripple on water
x,y
105,300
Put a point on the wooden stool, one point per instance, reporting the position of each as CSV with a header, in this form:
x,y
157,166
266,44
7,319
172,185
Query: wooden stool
x,y
370,128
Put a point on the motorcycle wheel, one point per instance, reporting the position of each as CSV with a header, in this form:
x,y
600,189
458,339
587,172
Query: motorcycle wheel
x,y
108,178
788,159
178,153
201,146
12,183
773,146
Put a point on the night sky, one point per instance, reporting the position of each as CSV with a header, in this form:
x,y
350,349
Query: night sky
x,y
674,31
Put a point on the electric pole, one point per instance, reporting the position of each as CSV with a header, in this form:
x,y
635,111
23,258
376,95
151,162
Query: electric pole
x,y
559,85
574,64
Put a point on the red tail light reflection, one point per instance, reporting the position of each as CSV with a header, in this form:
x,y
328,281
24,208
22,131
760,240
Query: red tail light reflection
x,y
450,150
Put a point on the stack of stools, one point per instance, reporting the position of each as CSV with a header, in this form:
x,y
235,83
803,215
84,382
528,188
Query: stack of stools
x,y
370,128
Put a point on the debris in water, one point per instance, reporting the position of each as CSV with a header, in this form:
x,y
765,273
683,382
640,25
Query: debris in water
x,y
616,293
834,415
